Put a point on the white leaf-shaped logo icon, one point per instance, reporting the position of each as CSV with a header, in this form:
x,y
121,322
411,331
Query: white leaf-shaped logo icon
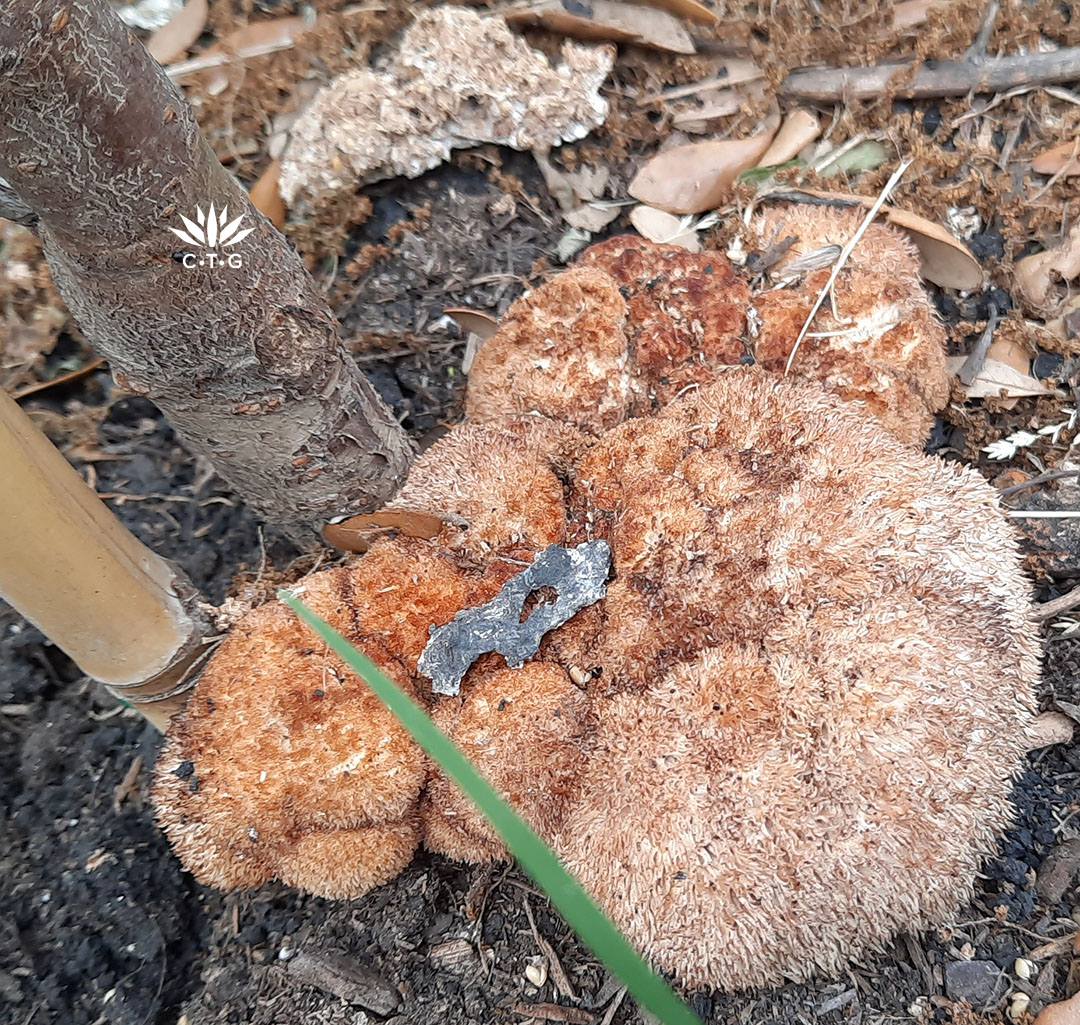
x,y
212,229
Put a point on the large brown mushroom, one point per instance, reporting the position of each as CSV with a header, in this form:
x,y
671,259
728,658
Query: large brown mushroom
x,y
789,729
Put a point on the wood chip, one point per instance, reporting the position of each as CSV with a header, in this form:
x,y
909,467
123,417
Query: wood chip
x,y
340,974
696,177
173,40
613,21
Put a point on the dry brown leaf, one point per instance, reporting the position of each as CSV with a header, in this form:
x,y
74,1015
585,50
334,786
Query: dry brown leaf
x,y
1065,1012
696,177
911,13
266,197
734,71
943,259
474,322
170,42
358,533
572,188
1064,329
590,217
1034,274
1063,160
658,226
799,128
686,9
608,21
1011,353
998,379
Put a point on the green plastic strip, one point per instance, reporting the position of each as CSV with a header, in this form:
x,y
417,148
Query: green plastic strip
x,y
590,923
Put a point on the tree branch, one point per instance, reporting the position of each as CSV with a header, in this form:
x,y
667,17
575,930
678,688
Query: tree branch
x,y
245,359
933,79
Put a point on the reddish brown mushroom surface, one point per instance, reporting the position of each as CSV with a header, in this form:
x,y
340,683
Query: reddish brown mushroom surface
x,y
787,732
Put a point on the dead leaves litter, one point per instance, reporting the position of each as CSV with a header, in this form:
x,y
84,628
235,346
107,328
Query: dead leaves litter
x,y
607,21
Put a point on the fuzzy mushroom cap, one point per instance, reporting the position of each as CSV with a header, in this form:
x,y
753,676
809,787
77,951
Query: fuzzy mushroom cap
x,y
796,714
886,352
635,324
822,749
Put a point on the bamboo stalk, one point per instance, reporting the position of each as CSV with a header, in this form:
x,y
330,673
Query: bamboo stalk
x,y
124,615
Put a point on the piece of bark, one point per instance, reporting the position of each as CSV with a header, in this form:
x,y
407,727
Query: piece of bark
x,y
338,973
1057,871
942,78
246,362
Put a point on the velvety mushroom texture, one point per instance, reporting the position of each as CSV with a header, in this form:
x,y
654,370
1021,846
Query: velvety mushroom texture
x,y
635,324
787,733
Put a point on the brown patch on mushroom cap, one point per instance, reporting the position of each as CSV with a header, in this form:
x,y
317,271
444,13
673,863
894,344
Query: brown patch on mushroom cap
x,y
636,324
523,729
887,352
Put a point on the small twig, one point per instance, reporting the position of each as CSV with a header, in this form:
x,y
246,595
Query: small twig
x,y
1045,514
977,50
71,375
1043,478
1063,603
616,1001
944,78
974,363
128,785
843,258
558,973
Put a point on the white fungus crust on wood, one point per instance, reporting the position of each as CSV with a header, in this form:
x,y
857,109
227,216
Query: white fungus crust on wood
x,y
787,732
457,79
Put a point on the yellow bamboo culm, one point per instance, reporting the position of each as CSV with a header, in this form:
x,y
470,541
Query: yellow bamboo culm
x,y
124,615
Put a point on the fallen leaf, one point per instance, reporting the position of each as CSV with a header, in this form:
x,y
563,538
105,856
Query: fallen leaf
x,y
358,533
1064,329
170,42
1066,1012
867,156
474,321
1034,274
799,128
911,13
997,379
590,217
608,21
572,188
686,9
1010,352
1063,160
696,177
659,226
265,196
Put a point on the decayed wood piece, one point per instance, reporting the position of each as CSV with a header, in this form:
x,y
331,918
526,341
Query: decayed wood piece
x,y
245,360
943,78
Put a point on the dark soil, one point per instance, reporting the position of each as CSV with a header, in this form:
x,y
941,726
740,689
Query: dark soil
x,y
100,926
